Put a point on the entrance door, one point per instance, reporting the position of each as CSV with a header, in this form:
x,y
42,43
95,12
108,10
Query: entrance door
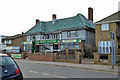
x,y
55,47
37,48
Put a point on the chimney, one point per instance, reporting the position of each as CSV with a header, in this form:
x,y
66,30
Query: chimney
x,y
53,18
37,21
22,32
90,13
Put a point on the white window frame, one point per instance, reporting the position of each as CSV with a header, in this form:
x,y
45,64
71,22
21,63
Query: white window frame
x,y
105,27
106,46
10,42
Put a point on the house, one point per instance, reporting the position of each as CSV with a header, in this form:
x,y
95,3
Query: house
x,y
59,34
103,31
14,42
1,44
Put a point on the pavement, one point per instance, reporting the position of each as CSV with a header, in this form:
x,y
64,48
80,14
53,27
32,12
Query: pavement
x,y
97,67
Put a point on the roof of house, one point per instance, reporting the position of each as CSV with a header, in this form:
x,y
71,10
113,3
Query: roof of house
x,y
61,24
113,17
3,36
14,37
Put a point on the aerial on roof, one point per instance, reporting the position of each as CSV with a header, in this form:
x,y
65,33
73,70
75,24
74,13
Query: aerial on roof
x,y
78,21
113,17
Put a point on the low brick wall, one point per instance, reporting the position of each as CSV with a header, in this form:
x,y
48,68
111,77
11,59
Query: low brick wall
x,y
24,55
39,57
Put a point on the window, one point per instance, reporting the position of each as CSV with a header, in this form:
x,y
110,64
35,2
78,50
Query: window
x,y
31,37
76,33
70,45
54,36
27,47
9,41
37,37
5,60
5,42
72,34
68,34
104,46
105,27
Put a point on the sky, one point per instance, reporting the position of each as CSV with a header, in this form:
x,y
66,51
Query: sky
x,y
17,16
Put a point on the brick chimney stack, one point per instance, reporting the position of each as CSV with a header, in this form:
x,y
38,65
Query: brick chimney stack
x,y
53,18
90,13
37,21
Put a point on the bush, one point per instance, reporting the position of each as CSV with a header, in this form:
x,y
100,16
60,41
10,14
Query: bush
x,y
89,50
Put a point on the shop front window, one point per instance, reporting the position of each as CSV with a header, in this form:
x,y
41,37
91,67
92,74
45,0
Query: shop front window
x,y
70,46
27,47
46,47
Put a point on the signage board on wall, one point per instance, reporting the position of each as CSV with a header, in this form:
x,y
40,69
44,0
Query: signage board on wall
x,y
27,42
47,41
16,55
72,40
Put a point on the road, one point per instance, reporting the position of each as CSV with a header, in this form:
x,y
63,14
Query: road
x,y
33,70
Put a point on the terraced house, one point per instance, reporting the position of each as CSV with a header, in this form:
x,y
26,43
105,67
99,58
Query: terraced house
x,y
58,34
103,31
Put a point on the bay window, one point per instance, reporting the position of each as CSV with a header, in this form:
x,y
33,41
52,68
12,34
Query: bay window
x,y
72,34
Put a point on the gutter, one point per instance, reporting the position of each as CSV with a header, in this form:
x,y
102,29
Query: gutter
x,y
108,22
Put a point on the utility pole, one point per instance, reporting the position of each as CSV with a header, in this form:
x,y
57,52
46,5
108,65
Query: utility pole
x,y
113,50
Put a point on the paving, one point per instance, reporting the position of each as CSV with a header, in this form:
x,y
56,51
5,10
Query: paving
x,y
106,68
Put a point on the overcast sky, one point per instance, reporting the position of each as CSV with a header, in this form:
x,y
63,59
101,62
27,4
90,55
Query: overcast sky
x,y
20,15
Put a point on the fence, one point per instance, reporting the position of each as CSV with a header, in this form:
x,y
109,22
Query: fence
x,y
65,56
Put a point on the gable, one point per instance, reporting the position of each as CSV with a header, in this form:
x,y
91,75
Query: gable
x,y
113,17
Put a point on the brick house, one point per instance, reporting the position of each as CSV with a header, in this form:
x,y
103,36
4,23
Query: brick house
x,y
58,34
103,31
1,44
15,40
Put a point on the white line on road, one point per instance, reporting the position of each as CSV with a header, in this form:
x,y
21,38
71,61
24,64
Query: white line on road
x,y
48,74
33,71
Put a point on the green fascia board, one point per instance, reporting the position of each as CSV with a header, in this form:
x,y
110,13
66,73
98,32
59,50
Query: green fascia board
x,y
46,41
72,22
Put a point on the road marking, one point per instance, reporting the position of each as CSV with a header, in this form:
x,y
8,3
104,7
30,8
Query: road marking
x,y
33,71
58,76
48,74
45,74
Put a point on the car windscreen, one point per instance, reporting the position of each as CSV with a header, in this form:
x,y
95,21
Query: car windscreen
x,y
5,60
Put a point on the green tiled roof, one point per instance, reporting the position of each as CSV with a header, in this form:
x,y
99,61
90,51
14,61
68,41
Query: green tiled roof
x,y
72,22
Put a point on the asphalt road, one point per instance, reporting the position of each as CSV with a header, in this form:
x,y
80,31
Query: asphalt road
x,y
33,70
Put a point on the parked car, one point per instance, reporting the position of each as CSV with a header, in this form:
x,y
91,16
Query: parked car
x,y
9,70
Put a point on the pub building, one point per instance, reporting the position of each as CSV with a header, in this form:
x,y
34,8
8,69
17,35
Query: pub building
x,y
59,34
